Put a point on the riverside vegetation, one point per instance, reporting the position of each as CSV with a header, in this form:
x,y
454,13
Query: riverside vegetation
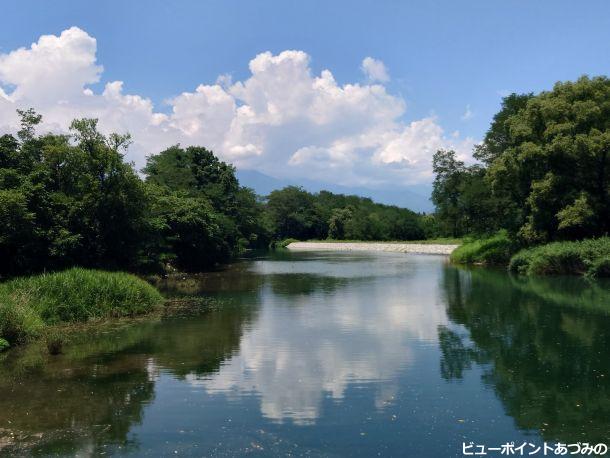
x,y
539,198
29,305
72,200
69,200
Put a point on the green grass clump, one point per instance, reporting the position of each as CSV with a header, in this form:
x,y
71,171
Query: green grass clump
x,y
600,267
29,304
589,257
282,243
493,250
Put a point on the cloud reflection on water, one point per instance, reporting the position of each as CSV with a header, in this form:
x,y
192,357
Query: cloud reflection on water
x,y
313,343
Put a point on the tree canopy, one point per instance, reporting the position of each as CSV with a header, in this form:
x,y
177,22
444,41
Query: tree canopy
x,y
68,200
545,172
73,200
296,213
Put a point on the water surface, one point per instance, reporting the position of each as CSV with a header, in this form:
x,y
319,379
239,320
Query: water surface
x,y
326,354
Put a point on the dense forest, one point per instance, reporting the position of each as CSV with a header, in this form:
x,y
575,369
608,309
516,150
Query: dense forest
x,y
73,200
543,171
539,197
69,200
296,213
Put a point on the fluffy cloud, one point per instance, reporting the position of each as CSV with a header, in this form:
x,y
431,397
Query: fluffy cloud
x,y
282,120
375,70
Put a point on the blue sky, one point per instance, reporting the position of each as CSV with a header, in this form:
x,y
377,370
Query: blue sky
x,y
447,60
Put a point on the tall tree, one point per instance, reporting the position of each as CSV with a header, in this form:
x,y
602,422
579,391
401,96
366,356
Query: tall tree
x,y
556,167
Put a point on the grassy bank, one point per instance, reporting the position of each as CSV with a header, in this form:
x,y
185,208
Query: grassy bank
x,y
495,250
29,305
587,257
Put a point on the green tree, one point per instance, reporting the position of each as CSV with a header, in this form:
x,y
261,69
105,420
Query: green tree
x,y
293,214
69,202
197,172
545,172
555,166
449,173
337,222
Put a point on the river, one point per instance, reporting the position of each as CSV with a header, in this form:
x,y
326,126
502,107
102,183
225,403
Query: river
x,y
326,354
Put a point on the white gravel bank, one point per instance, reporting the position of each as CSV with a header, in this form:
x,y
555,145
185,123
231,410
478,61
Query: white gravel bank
x,y
420,248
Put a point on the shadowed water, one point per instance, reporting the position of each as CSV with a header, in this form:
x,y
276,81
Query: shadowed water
x,y
326,354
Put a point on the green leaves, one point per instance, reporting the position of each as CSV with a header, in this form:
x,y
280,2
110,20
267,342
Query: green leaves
x,y
547,168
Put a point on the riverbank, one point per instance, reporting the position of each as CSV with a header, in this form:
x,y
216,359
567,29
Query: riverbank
x,y
397,247
589,257
30,307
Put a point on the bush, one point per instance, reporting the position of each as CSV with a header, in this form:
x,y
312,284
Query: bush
x,y
18,321
520,262
491,251
600,268
76,295
281,243
587,257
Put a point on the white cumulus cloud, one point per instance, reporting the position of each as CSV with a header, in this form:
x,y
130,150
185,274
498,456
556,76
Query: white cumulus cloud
x,y
282,119
375,70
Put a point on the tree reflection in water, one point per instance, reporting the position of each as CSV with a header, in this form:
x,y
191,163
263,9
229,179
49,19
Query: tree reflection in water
x,y
543,344
87,400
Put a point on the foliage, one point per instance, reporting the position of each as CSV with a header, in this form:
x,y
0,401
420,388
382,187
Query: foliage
x,y
492,250
70,200
557,164
545,172
206,215
462,198
588,257
28,304
281,243
296,213
600,267
544,177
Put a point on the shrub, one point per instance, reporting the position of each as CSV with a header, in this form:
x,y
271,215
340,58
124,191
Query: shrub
x,y
590,257
520,262
281,243
4,344
599,268
76,295
18,321
491,251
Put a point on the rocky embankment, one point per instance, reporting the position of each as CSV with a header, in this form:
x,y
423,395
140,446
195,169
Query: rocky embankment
x,y
418,248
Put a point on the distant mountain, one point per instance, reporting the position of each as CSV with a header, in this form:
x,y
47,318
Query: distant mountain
x,y
415,198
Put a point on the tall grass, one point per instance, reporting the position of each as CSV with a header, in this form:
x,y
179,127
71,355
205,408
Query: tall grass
x,y
589,257
29,304
493,250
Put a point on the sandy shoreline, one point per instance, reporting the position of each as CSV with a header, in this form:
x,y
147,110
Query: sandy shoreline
x,y
418,248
